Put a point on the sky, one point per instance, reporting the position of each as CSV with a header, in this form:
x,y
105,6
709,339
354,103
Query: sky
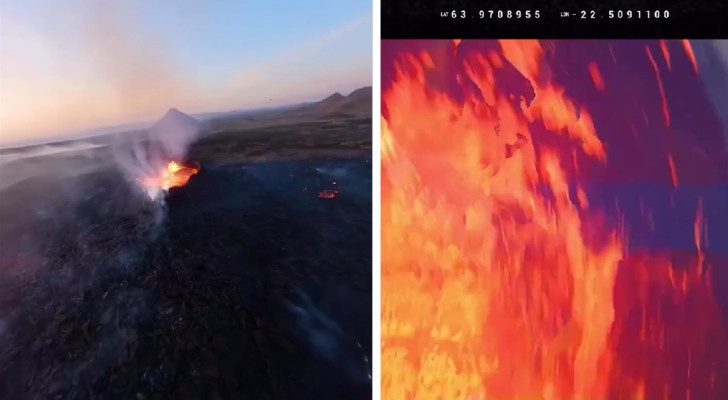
x,y
74,65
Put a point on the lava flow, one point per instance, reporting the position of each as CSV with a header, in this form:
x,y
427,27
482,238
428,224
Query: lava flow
x,y
499,278
174,175
328,194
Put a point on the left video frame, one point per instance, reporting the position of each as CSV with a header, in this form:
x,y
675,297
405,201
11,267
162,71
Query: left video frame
x,y
185,200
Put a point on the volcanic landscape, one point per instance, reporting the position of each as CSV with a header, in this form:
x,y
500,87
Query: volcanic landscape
x,y
247,277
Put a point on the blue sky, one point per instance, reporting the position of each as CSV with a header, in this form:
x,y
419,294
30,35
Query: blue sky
x,y
80,64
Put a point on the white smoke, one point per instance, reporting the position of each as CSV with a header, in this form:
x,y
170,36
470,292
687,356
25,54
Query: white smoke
x,y
148,152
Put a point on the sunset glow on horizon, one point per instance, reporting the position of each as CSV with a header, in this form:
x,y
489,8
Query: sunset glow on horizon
x,y
80,65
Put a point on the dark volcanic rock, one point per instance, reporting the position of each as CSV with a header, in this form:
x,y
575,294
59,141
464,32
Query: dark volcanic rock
x,y
243,284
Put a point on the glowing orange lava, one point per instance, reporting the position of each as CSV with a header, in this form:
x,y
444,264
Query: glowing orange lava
x,y
328,194
689,51
665,111
665,53
456,42
174,175
596,76
673,173
493,285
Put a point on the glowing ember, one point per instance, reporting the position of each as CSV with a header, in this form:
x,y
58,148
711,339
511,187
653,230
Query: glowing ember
x,y
456,42
494,283
665,111
328,194
596,76
173,176
673,174
665,52
689,51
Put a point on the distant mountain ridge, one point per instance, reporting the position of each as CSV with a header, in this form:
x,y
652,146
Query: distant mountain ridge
x,y
357,103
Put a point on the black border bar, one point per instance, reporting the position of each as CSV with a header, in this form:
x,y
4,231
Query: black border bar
x,y
609,19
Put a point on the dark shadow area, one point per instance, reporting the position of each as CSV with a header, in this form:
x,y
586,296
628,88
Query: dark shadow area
x,y
243,283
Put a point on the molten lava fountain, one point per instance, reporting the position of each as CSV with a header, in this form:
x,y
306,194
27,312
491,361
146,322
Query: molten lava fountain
x,y
174,175
498,280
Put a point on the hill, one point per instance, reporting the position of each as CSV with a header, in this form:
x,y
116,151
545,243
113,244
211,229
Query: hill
x,y
357,104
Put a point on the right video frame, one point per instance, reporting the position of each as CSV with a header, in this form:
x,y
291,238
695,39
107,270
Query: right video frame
x,y
553,219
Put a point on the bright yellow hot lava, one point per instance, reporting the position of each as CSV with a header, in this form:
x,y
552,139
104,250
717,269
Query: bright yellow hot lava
x,y
174,175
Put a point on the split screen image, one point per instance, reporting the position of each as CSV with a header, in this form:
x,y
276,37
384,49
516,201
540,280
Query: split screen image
x,y
264,217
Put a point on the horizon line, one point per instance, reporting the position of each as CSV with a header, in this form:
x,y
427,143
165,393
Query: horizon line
x,y
112,129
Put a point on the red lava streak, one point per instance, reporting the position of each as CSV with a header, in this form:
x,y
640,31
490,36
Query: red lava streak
x,y
328,194
665,52
659,85
691,55
699,227
673,173
596,76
